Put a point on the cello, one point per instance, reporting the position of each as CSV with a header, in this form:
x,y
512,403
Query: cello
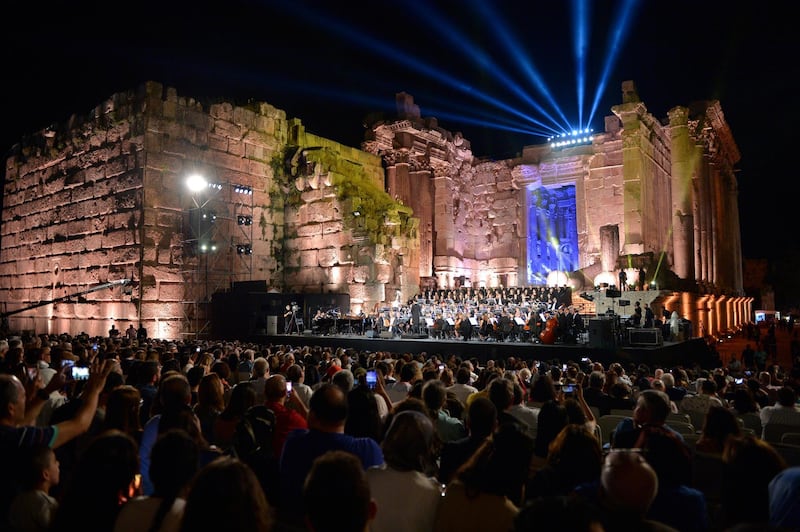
x,y
548,334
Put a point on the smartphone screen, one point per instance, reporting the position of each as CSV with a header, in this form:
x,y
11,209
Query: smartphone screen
x,y
288,388
372,379
80,373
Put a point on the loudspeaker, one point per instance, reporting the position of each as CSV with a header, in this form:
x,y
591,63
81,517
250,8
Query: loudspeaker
x,y
307,332
386,335
613,293
370,333
601,333
645,336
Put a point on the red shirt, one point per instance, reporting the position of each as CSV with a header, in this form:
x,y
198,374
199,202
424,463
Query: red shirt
x,y
286,421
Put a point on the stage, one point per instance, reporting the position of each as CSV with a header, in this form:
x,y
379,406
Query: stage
x,y
668,354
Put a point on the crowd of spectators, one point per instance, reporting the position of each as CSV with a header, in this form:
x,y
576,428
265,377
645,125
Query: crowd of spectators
x,y
121,433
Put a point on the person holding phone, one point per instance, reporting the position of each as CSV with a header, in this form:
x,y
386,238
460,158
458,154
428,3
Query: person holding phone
x,y
278,393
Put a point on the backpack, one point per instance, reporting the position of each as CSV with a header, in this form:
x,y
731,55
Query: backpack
x,y
252,439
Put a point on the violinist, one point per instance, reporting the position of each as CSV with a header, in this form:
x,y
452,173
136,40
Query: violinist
x,y
486,328
464,327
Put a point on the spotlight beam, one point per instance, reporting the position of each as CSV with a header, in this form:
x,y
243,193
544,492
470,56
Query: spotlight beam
x,y
514,49
580,16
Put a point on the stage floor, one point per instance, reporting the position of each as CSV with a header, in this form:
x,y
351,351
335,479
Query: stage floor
x,y
687,353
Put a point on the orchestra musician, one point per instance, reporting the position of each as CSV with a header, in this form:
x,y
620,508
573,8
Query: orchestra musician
x,y
464,327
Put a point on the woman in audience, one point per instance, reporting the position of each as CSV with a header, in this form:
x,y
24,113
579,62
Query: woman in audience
x,y
750,464
243,396
226,495
122,411
574,457
720,424
542,390
106,476
551,420
409,452
487,491
210,402
173,463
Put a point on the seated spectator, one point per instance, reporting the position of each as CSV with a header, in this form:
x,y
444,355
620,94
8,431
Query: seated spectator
x,y
749,465
487,491
783,411
243,396
106,476
447,427
594,394
326,420
173,463
627,488
231,481
552,419
696,405
674,392
409,450
338,472
574,457
784,499
481,422
462,387
720,424
652,409
620,397
33,508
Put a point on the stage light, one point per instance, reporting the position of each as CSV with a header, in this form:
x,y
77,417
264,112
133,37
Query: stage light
x,y
215,186
211,216
574,138
196,182
244,220
243,189
244,249
207,246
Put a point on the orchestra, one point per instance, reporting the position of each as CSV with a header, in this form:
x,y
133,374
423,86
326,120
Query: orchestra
x,y
535,314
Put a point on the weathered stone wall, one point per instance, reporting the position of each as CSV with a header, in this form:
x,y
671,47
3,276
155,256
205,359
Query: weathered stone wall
x,y
106,199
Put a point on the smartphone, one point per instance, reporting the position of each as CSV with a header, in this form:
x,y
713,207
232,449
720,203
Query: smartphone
x,y
80,373
564,367
568,388
585,359
738,381
288,388
197,350
67,363
748,373
372,379
441,367
94,347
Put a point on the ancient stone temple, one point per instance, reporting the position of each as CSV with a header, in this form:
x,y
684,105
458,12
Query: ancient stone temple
x,y
100,227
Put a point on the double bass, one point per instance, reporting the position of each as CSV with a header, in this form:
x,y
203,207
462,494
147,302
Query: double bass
x,y
549,333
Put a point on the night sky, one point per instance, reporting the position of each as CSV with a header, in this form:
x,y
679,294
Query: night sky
x,y
332,65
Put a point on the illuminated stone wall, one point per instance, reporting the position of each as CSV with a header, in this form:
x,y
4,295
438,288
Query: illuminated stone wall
x,y
104,198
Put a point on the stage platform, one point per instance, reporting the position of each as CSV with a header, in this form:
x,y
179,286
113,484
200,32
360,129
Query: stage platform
x,y
669,354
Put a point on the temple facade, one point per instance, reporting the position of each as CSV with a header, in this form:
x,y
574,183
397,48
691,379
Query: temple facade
x,y
99,226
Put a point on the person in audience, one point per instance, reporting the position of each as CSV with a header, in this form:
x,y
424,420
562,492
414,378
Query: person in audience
x,y
720,424
552,419
448,427
286,420
106,476
627,488
174,394
409,451
652,409
543,390
784,499
226,495
122,411
749,464
259,379
19,408
674,391
783,412
296,375
524,413
243,396
326,420
210,402
697,405
174,462
658,385
574,457
481,422
338,472
33,508
462,387
594,394
488,490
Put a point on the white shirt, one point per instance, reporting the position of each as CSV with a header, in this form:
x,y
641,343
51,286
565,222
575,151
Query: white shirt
x,y
407,500
462,391
783,415
137,514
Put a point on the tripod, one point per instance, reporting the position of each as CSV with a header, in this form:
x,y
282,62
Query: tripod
x,y
294,323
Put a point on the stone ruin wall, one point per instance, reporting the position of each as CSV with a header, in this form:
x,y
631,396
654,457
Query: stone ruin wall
x,y
71,218
104,199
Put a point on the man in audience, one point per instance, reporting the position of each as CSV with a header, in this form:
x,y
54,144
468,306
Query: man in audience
x,y
481,422
462,387
652,409
448,427
409,374
286,419
697,405
326,420
783,412
674,392
594,394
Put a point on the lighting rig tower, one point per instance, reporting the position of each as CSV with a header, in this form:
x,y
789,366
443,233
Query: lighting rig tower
x,y
242,199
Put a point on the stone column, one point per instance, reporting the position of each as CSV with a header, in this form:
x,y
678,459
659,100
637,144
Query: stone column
x,y
609,247
683,166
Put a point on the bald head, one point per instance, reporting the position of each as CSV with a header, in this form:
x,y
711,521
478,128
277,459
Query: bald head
x,y
629,483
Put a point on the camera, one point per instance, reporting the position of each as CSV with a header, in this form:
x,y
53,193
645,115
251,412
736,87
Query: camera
x,y
568,388
288,388
80,373
372,379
